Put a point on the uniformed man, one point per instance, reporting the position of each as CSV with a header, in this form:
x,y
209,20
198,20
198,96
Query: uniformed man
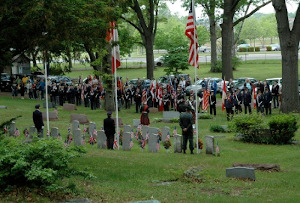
x,y
186,124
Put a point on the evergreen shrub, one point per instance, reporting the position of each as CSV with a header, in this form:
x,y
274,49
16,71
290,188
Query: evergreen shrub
x,y
269,48
257,48
217,128
251,49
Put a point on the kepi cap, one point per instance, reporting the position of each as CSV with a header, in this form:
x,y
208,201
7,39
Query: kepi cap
x,y
37,106
109,113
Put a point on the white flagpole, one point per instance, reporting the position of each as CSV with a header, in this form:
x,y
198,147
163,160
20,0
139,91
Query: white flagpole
x,y
46,92
195,62
116,85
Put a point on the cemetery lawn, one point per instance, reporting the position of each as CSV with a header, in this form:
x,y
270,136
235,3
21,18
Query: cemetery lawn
x,y
125,176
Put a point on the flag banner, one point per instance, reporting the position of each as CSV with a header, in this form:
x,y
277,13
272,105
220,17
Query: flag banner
x,y
191,33
205,100
175,131
113,37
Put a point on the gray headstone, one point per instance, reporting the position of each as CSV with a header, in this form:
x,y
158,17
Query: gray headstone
x,y
77,137
153,130
119,120
152,142
32,130
92,127
54,132
136,122
209,144
82,118
153,110
101,139
75,125
86,200
12,128
127,128
241,172
69,107
171,114
145,129
177,143
52,116
3,107
164,132
50,105
126,141
147,201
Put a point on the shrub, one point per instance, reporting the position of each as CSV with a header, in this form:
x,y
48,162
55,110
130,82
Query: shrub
x,y
283,128
257,48
40,164
250,126
205,116
269,48
243,49
217,128
251,49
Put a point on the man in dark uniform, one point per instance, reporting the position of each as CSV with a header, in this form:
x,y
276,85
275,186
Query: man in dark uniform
x,y
38,120
212,102
237,101
229,105
186,124
127,97
109,129
247,100
267,101
138,100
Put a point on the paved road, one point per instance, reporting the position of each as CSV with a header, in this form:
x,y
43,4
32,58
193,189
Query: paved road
x,y
204,59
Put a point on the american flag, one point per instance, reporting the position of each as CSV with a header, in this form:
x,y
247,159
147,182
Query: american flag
x,y
101,128
143,144
55,111
112,36
66,144
152,92
157,144
95,132
69,129
175,131
92,139
5,130
105,143
223,95
83,141
70,139
26,133
217,149
147,135
254,96
144,95
191,33
17,132
168,136
116,144
48,133
205,100
195,132
139,128
59,136
131,143
131,134
136,135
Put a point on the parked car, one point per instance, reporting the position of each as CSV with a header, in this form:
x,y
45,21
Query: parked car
x,y
243,46
5,82
271,82
202,49
275,47
145,82
165,80
239,82
159,61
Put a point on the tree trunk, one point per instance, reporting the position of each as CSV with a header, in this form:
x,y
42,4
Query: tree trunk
x,y
213,42
93,56
227,33
289,40
109,89
149,55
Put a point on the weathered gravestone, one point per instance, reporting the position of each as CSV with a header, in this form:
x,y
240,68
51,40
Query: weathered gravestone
x,y
120,121
12,128
147,201
32,130
92,127
241,172
54,132
145,130
82,118
77,137
177,143
127,128
50,105
86,200
126,141
3,107
69,107
210,143
101,138
171,114
153,110
136,122
75,125
52,116
262,167
165,131
152,142
153,130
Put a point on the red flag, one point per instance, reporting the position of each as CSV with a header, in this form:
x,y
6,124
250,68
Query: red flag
x,y
223,95
191,33
253,96
205,100
112,36
144,96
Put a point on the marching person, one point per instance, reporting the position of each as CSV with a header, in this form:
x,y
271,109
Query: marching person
x,y
229,106
212,102
127,97
260,102
237,101
275,93
186,124
267,101
144,115
138,100
247,100
109,129
37,117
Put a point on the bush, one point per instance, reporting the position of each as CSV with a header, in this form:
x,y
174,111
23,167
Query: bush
x,y
250,126
217,128
283,128
205,116
257,48
251,49
40,164
243,49
269,48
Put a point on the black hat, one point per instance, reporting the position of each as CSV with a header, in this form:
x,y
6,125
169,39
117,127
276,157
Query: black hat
x,y
109,113
37,106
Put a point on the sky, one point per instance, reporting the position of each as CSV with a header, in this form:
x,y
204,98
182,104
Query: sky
x,y
177,8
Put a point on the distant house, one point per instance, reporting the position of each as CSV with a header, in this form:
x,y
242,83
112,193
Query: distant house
x,y
20,65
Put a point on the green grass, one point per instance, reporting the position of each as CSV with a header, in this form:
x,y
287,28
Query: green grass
x,y
125,176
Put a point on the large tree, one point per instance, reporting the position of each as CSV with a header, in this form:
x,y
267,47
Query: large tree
x,y
143,16
289,39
